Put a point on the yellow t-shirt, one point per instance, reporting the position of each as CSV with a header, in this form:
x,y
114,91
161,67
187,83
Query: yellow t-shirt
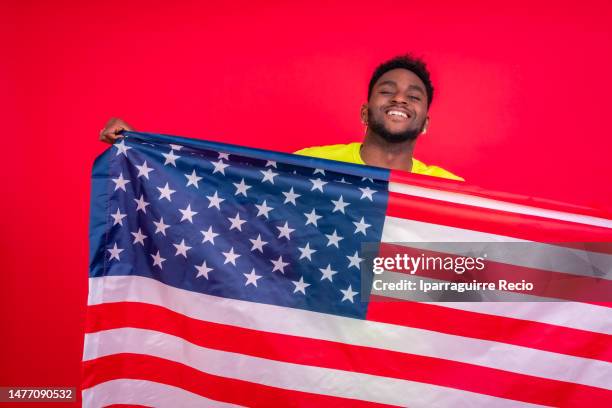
x,y
350,153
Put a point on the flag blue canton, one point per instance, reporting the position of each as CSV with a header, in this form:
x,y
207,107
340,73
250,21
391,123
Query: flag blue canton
x,y
221,221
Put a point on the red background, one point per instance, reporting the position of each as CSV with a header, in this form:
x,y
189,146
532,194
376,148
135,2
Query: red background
x,y
521,105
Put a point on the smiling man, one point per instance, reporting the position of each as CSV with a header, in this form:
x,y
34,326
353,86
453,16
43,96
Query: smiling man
x,y
396,113
399,95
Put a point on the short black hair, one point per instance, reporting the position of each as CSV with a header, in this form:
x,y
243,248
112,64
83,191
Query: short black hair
x,y
410,63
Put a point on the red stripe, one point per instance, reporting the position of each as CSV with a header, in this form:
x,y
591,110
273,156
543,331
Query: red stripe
x,y
522,226
150,368
536,335
460,187
556,285
342,356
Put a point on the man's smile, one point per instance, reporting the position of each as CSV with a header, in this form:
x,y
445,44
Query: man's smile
x,y
397,114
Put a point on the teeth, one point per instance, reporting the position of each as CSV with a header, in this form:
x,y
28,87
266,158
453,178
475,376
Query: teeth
x,y
397,113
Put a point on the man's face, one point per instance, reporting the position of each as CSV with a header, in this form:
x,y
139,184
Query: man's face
x,y
397,109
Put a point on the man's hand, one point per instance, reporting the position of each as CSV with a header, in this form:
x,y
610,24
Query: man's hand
x,y
113,126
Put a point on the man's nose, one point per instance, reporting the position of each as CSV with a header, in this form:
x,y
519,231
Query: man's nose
x,y
400,98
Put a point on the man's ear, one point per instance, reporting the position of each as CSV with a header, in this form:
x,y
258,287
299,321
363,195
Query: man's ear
x,y
425,126
364,114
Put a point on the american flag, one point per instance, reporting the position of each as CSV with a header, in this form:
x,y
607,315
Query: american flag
x,y
228,276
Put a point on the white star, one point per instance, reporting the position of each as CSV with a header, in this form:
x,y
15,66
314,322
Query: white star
x,y
139,237
368,179
339,205
187,214
236,222
334,239
306,251
223,155
268,175
219,167
348,294
175,147
290,196
192,179
118,217
354,260
166,192
312,218
141,204
215,201
258,243
251,278
157,260
343,181
122,148
270,163
120,182
285,231
230,257
367,192
143,171
114,252
361,226
181,249
263,209
279,265
170,158
318,171
317,184
209,235
300,286
328,273
203,270
241,188
160,226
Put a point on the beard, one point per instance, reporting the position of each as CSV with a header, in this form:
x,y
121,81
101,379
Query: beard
x,y
379,128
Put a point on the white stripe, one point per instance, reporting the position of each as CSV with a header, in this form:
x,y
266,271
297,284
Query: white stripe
x,y
146,393
289,376
499,248
404,230
304,323
580,316
468,199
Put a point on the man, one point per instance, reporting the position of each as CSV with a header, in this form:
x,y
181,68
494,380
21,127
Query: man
x,y
396,113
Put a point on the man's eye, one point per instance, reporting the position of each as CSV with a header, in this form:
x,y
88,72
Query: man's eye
x,y
385,92
414,98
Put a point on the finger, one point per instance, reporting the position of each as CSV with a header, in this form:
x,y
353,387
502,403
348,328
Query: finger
x,y
111,131
104,136
112,122
109,137
113,137
124,127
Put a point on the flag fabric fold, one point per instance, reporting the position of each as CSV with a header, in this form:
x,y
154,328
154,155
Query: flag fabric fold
x,y
228,276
